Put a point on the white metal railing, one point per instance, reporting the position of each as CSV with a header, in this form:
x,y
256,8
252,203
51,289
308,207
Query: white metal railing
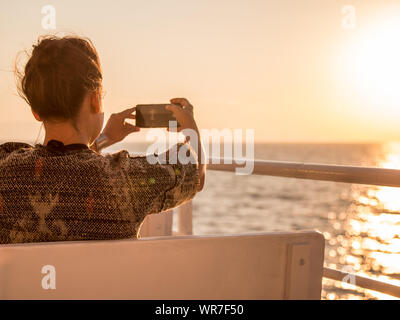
x,y
364,282
324,172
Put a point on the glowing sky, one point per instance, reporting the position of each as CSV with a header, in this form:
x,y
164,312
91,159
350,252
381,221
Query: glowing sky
x,y
285,68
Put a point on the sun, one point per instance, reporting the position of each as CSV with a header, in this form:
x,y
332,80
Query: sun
x,y
373,64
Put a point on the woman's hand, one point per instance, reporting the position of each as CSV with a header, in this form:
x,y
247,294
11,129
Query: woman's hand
x,y
183,112
117,128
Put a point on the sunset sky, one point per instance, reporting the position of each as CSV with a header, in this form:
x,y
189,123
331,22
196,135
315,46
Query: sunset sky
x,y
287,69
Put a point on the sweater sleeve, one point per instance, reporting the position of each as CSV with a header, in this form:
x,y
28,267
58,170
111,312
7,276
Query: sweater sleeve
x,y
162,182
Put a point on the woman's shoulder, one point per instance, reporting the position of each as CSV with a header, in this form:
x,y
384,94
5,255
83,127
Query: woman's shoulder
x,y
123,158
9,147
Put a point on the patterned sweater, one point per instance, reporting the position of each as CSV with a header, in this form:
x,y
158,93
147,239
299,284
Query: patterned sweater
x,y
59,193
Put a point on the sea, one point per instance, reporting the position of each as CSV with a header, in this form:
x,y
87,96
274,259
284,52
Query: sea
x,y
360,223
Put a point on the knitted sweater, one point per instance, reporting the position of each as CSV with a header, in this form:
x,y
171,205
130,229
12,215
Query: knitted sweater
x,y
59,193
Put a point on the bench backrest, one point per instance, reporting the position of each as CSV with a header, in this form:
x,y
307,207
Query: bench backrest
x,y
284,265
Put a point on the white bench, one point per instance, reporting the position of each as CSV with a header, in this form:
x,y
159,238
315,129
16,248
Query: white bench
x,y
282,265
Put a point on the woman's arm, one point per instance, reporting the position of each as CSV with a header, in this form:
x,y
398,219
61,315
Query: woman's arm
x,y
183,112
117,129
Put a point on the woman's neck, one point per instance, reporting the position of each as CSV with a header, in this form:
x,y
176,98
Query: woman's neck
x,y
65,133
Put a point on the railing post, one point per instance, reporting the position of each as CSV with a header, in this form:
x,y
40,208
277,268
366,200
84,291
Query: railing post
x,y
185,218
159,224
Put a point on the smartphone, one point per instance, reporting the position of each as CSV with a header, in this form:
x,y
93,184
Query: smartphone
x,y
153,116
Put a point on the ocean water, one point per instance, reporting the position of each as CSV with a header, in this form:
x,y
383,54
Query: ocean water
x,y
361,224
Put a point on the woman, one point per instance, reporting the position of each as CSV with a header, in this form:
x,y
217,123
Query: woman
x,y
65,189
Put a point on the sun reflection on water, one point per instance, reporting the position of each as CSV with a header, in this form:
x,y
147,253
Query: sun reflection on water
x,y
374,229
366,236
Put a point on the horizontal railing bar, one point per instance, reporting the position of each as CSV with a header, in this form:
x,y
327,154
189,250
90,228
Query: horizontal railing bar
x,y
363,282
324,172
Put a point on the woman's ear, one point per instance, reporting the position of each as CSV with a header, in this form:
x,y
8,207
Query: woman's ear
x,y
37,117
95,102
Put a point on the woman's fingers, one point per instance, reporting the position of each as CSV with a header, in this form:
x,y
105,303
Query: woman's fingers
x,y
129,128
179,114
128,112
184,117
182,101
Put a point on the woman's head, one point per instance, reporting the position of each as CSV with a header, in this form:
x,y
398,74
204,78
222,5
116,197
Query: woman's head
x,y
59,77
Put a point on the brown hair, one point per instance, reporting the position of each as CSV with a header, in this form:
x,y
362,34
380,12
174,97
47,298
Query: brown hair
x,y
57,76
